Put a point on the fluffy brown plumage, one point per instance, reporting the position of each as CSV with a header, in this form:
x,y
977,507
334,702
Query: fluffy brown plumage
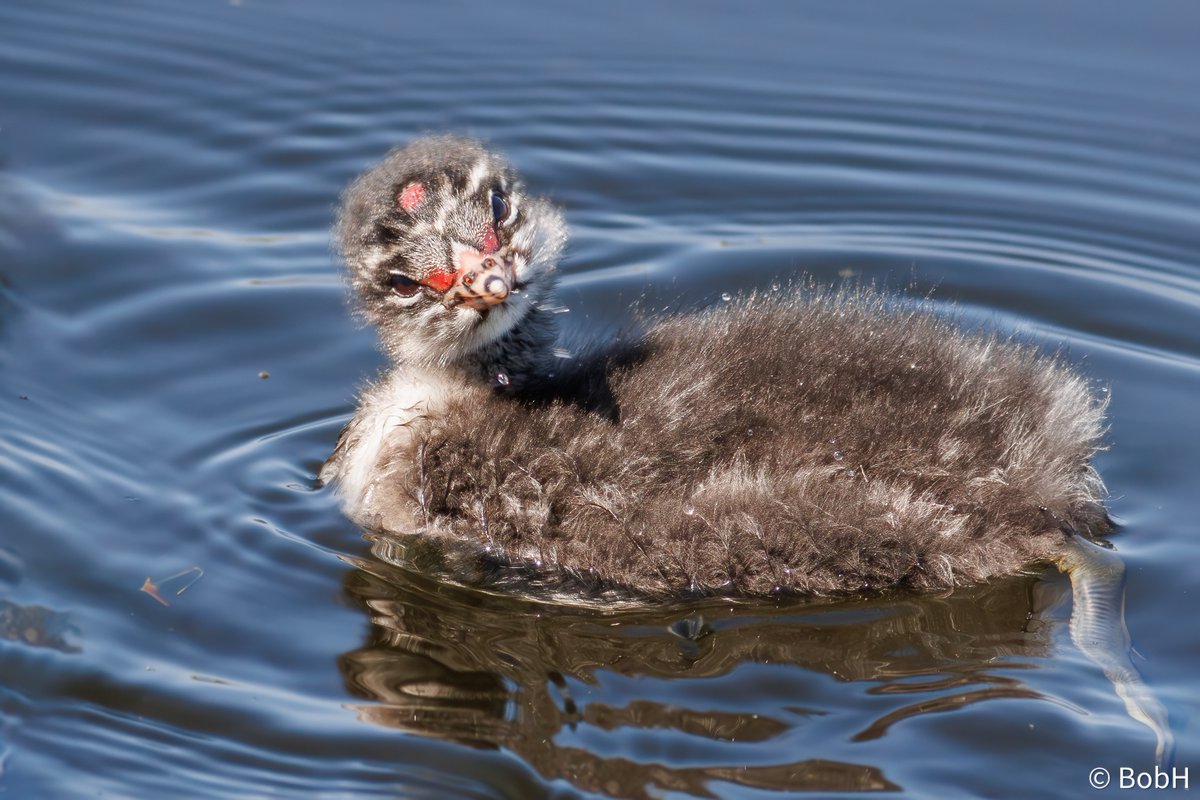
x,y
797,441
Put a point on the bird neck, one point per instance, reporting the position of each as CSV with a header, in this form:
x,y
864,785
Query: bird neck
x,y
521,356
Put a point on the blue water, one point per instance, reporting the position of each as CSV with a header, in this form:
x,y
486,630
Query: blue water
x,y
176,358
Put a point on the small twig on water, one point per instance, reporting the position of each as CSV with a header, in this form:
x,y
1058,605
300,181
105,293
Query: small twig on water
x,y
151,587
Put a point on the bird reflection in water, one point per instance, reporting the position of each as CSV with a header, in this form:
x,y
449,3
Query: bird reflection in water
x,y
537,679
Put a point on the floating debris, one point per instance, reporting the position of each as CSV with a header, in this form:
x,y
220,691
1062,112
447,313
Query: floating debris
x,y
151,587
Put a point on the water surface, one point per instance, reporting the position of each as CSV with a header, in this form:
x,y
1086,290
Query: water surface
x,y
176,358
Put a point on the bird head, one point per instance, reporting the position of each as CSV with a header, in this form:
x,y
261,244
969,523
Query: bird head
x,y
446,252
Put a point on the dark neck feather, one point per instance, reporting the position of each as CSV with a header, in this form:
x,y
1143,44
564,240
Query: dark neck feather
x,y
520,357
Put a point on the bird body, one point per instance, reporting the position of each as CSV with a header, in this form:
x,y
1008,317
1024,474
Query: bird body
x,y
797,441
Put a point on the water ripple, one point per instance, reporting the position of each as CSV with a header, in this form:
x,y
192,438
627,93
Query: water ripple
x,y
177,357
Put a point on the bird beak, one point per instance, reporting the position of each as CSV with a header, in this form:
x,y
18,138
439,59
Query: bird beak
x,y
482,281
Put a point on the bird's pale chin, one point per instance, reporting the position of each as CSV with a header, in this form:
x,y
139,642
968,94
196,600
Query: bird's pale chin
x,y
496,321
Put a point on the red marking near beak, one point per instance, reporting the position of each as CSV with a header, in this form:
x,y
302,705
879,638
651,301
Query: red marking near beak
x,y
490,241
440,280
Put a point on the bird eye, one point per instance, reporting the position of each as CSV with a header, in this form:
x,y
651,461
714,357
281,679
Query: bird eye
x,y
403,285
500,206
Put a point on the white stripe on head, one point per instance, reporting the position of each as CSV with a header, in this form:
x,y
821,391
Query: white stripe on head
x,y
478,173
439,224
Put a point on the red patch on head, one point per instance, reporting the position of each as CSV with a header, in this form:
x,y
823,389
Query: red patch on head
x,y
410,196
490,243
440,280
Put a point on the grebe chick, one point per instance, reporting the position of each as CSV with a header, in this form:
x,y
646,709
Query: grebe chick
x,y
812,443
